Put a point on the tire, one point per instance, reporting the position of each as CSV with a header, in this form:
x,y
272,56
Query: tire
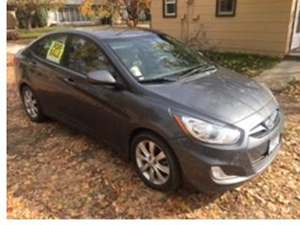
x,y
31,105
164,167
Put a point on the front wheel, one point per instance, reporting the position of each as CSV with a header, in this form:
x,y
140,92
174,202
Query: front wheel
x,y
155,162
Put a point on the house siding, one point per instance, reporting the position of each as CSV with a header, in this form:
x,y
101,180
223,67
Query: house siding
x,y
259,26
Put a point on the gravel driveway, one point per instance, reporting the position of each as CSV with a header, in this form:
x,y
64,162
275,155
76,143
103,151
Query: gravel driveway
x,y
55,172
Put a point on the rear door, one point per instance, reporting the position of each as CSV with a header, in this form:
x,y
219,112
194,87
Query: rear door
x,y
43,68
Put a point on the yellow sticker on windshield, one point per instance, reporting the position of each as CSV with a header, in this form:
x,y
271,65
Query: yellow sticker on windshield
x,y
56,51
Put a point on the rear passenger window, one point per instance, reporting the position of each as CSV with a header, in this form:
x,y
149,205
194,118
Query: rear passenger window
x,y
51,48
84,56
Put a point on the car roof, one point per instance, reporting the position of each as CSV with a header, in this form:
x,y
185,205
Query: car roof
x,y
112,33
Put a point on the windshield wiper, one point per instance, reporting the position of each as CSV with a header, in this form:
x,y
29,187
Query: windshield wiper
x,y
158,80
181,75
202,68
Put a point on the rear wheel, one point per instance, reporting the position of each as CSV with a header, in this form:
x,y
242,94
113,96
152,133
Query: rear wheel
x,y
155,162
31,105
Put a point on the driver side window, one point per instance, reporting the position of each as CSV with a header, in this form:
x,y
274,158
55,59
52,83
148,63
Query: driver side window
x,y
84,56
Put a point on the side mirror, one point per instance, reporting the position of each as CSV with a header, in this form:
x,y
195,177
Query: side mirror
x,y
101,77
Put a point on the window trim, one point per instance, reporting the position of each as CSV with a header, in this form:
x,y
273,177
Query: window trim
x,y
61,67
164,10
220,14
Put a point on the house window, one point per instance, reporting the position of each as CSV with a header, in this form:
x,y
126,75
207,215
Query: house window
x,y
61,16
77,16
56,18
226,8
72,14
169,8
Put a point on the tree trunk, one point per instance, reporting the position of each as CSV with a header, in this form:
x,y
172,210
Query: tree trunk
x,y
130,23
29,23
133,12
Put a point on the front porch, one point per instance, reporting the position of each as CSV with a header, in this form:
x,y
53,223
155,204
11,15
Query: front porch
x,y
294,54
295,51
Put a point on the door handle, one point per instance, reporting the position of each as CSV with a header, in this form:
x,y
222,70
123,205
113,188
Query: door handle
x,y
32,63
69,80
32,66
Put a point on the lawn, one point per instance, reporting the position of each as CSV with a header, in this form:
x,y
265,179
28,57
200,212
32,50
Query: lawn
x,y
34,33
249,64
37,32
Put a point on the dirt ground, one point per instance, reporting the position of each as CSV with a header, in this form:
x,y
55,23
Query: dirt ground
x,y
55,172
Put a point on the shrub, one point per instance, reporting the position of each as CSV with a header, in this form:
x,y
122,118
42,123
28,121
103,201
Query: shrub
x,y
38,19
22,17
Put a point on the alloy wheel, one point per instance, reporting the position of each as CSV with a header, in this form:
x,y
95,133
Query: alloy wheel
x,y
152,162
30,103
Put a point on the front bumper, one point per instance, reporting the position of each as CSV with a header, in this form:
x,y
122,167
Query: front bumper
x,y
199,161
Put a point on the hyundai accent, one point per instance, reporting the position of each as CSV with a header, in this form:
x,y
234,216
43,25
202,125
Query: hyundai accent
x,y
180,118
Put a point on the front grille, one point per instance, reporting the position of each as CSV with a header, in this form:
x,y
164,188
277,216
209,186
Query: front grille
x,y
266,126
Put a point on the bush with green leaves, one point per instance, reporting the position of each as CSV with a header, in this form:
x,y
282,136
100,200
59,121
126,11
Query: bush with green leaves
x,y
38,19
22,17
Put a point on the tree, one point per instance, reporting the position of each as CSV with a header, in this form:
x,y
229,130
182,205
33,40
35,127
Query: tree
x,y
112,7
134,7
106,11
28,10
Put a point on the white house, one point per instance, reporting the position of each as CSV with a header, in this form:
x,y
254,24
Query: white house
x,y
70,14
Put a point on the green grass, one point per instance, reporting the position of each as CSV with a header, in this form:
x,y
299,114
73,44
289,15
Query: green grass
x,y
34,33
37,32
249,64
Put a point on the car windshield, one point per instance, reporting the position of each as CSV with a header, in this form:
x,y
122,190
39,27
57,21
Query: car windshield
x,y
156,57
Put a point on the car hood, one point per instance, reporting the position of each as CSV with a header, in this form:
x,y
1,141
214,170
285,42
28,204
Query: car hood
x,y
222,94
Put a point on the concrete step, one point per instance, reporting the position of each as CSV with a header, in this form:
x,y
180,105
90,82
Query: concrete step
x,y
294,55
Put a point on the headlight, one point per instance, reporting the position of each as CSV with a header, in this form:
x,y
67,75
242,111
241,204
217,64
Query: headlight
x,y
208,132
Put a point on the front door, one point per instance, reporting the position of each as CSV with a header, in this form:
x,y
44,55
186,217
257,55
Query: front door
x,y
95,108
296,29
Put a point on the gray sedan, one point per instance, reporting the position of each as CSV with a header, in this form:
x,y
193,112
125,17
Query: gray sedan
x,y
177,116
